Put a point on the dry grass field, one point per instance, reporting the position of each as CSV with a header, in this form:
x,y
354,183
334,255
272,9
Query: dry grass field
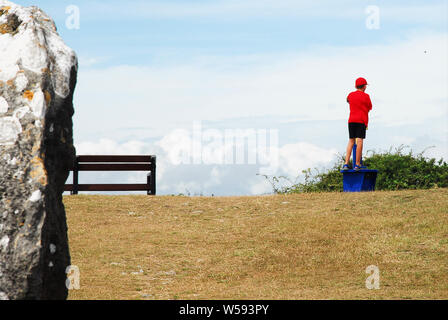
x,y
305,246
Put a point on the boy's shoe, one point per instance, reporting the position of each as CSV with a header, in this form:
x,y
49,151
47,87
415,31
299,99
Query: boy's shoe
x,y
345,167
357,168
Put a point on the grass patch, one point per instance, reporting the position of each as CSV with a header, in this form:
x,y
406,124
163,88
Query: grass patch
x,y
298,246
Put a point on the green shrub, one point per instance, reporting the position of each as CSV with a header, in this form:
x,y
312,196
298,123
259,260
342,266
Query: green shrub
x,y
397,171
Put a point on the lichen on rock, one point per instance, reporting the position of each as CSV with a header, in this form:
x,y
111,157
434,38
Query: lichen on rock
x,y
11,25
38,74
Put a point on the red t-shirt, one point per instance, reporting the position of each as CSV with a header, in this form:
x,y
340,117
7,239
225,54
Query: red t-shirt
x,y
360,106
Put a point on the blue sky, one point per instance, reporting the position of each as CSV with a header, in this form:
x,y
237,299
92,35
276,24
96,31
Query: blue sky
x,y
146,32
150,69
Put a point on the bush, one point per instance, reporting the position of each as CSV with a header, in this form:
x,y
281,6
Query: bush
x,y
397,171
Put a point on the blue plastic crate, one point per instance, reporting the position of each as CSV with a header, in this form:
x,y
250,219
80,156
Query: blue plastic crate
x,y
358,181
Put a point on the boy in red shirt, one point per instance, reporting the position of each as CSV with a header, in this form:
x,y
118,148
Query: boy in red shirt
x,y
360,106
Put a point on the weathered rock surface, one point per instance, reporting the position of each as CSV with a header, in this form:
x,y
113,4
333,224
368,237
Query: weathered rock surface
x,y
37,80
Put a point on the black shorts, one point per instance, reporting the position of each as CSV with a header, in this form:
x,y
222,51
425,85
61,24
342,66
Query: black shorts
x,y
357,130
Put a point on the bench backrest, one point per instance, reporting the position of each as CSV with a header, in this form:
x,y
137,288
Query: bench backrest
x,y
114,163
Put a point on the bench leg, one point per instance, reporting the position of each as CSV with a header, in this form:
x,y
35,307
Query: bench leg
x,y
152,181
75,181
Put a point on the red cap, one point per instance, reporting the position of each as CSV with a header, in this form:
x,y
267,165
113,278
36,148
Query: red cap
x,y
361,82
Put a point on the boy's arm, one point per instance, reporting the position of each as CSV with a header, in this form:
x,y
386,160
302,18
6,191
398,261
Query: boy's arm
x,y
369,106
369,103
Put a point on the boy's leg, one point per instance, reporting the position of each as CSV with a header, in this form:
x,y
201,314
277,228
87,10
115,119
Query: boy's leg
x,y
360,144
350,145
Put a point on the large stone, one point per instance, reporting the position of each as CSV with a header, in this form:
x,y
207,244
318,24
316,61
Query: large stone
x,y
37,79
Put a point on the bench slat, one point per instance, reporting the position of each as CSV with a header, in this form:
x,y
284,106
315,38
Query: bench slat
x,y
115,158
108,187
114,163
114,167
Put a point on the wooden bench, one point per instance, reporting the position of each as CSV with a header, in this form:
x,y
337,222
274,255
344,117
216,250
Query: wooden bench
x,y
114,163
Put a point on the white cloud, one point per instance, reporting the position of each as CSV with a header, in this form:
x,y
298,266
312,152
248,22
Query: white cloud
x,y
407,86
241,178
177,146
294,158
110,147
231,179
260,187
215,178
